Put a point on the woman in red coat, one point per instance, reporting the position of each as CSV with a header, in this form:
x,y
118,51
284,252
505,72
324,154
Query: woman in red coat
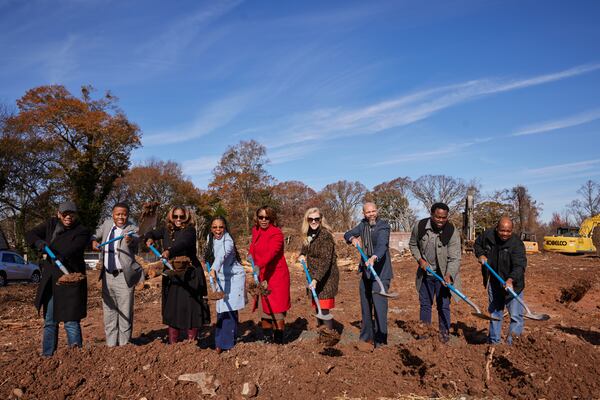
x,y
266,249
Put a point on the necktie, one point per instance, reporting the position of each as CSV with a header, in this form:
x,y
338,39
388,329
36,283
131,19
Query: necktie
x,y
112,265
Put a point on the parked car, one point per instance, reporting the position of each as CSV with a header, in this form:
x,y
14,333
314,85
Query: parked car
x,y
14,267
91,259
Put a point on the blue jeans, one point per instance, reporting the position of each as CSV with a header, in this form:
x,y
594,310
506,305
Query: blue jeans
x,y
432,288
499,299
50,336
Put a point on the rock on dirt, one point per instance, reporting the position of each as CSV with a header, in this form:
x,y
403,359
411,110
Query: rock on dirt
x,y
249,390
207,383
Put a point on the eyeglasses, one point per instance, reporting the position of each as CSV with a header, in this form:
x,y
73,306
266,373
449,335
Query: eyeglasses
x,y
263,218
309,219
179,216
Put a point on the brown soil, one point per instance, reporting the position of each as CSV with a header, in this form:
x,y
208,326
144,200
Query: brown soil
x,y
575,292
70,279
559,358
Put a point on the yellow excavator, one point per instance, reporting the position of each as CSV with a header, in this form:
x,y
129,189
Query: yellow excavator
x,y
571,240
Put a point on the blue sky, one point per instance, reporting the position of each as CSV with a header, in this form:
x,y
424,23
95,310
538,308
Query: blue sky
x,y
505,92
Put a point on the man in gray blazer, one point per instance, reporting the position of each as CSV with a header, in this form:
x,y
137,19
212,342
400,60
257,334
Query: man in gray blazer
x,y
435,242
119,274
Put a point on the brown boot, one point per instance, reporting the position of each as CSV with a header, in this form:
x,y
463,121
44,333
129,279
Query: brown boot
x,y
366,347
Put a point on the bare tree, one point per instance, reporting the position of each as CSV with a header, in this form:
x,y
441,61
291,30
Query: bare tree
x,y
588,204
293,198
430,189
342,202
525,210
392,201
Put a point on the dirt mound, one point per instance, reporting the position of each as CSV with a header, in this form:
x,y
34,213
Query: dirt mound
x,y
553,359
575,292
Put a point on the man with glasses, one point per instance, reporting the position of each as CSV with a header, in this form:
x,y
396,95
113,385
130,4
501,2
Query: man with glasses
x,y
67,303
373,235
119,273
435,243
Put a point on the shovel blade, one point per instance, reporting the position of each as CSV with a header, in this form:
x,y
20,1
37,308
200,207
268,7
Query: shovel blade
x,y
485,316
326,317
537,317
385,294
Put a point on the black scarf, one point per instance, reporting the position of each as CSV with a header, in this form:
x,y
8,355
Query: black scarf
x,y
366,238
312,234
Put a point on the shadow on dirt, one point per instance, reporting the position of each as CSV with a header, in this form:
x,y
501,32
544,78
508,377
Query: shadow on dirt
x,y
589,336
471,334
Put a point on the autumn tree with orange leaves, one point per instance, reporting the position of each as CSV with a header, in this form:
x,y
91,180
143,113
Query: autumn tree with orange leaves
x,y
77,146
242,183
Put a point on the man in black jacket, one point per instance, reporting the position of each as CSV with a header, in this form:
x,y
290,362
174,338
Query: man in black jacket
x,y
67,239
505,253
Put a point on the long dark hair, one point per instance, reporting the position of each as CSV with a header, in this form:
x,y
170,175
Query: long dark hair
x,y
209,254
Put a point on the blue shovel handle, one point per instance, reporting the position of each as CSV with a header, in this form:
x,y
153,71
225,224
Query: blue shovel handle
x,y
254,273
503,282
366,259
115,239
157,254
212,282
56,260
309,279
448,285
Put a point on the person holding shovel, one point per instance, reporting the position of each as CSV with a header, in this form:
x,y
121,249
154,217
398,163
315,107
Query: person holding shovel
x,y
183,290
435,243
229,276
64,302
373,235
266,249
505,253
119,273
318,252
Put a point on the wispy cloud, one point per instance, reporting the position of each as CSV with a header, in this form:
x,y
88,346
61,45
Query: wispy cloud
x,y
164,50
291,153
200,166
566,169
568,122
327,124
215,116
449,150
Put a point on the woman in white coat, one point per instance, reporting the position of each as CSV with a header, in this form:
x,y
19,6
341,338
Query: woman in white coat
x,y
230,278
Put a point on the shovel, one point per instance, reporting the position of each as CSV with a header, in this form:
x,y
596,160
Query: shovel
x,y
256,281
477,312
216,294
372,271
56,260
320,314
164,261
131,233
529,314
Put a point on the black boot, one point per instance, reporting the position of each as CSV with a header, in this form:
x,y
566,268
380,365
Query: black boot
x,y
267,331
278,336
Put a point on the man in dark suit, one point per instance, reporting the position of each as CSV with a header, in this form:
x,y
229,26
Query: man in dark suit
x,y
373,234
119,274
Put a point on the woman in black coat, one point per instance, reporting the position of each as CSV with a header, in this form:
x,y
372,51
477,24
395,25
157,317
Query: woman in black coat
x,y
183,291
67,303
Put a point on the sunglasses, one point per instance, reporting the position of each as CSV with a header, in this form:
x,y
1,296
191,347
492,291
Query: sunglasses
x,y
309,219
262,218
179,216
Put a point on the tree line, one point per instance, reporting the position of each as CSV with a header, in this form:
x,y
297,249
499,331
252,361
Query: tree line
x,y
55,146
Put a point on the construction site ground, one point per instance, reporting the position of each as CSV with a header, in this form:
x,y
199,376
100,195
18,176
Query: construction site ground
x,y
555,359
